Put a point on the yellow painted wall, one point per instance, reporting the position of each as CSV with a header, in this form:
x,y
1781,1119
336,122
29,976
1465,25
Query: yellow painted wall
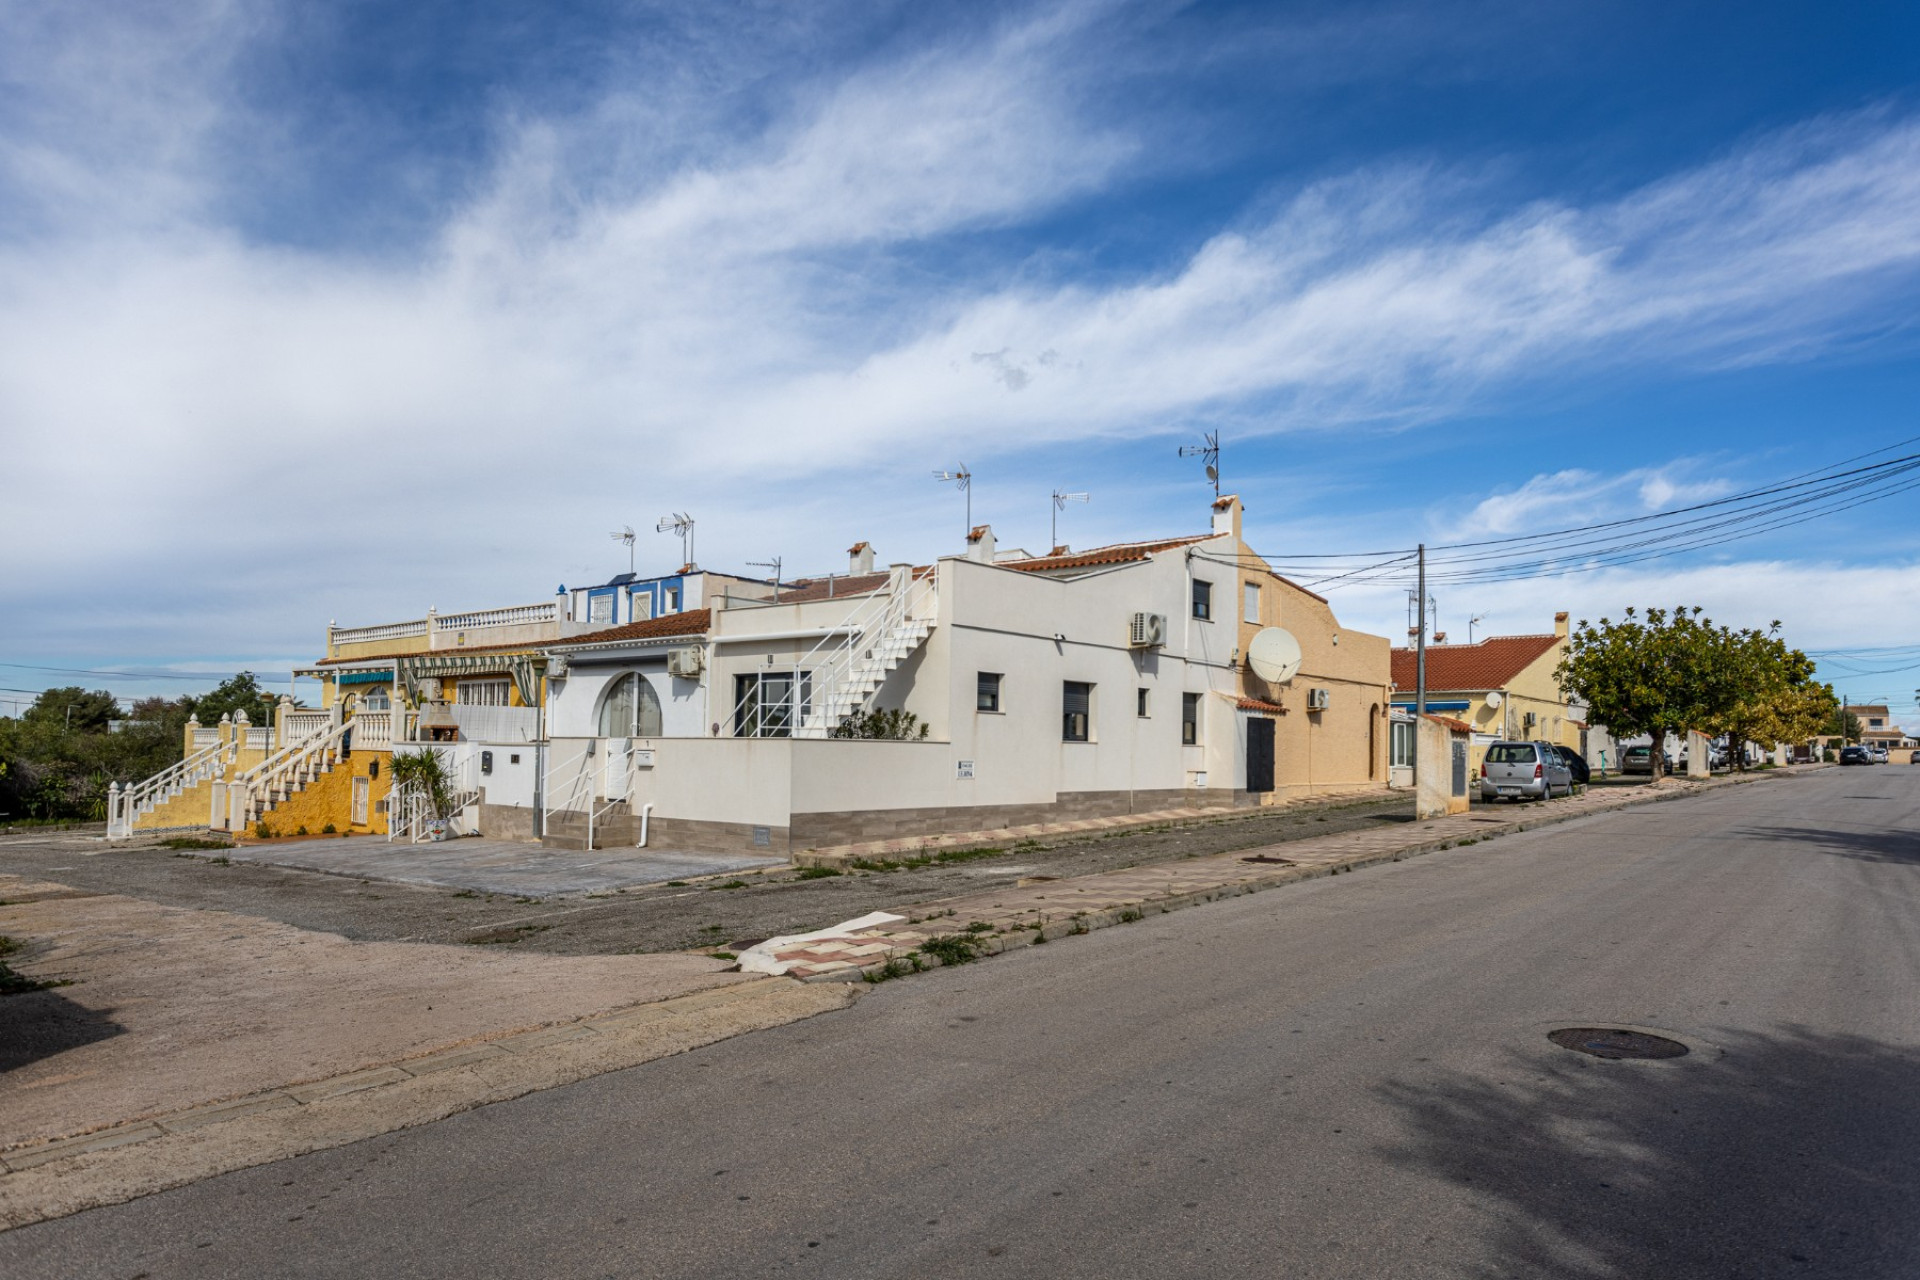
x,y
329,798
380,648
1345,747
191,808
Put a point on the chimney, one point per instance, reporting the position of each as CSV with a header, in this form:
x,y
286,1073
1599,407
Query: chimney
x,y
1226,515
980,544
1560,624
860,558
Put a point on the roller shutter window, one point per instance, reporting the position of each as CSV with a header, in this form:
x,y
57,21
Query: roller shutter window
x,y
1077,700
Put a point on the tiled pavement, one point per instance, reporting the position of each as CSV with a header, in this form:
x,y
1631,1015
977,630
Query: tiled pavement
x,y
1039,908
494,866
841,854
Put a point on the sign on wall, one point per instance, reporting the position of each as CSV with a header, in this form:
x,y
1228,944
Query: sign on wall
x,y
963,770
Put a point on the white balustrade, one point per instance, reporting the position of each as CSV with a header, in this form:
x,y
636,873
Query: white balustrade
x,y
519,615
385,631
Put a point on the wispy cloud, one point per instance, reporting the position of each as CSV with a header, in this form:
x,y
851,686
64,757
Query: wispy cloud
x,y
738,315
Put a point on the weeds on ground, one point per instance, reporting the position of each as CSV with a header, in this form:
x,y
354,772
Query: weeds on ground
x,y
723,955
731,884
1131,914
895,967
978,926
952,948
193,842
943,857
506,937
815,873
329,830
262,831
676,884
466,893
14,983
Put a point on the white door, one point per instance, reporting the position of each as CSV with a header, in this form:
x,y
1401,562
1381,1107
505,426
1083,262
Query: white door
x,y
360,802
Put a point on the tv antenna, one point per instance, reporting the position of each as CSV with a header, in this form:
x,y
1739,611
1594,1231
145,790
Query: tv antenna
x,y
681,523
1473,622
962,478
1209,448
628,536
1060,501
773,564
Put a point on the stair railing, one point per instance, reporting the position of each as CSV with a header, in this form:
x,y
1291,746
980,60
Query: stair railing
x,y
249,794
126,803
582,779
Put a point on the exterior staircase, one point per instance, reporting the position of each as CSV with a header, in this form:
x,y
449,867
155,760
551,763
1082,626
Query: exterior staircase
x,y
252,795
882,632
179,797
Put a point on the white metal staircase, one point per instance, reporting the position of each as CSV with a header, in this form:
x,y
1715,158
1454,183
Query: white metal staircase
x,y
849,667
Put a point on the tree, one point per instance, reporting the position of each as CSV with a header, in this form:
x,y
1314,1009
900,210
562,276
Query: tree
x,y
74,709
231,697
1670,671
425,773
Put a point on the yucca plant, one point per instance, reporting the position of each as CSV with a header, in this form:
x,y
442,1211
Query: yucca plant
x,y
425,772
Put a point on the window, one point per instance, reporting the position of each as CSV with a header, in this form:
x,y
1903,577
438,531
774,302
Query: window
x,y
673,600
481,693
1140,703
640,606
630,709
1077,699
1250,605
1400,748
600,606
768,704
987,695
1202,600
1190,719
376,699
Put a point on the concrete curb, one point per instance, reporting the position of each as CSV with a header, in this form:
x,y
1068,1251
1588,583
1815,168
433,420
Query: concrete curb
x,y
887,966
126,1161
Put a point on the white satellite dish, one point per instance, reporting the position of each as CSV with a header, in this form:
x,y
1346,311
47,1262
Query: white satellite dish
x,y
1274,655
1494,700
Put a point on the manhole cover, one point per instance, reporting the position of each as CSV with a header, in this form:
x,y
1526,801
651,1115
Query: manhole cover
x,y
1612,1042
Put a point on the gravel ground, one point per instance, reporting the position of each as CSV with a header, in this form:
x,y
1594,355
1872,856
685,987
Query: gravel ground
x,y
671,917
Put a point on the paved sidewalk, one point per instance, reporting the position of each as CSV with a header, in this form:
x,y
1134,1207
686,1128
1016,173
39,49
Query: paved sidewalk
x,y
1038,909
510,867
840,855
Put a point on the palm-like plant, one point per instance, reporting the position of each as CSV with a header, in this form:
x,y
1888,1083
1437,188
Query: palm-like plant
x,y
425,772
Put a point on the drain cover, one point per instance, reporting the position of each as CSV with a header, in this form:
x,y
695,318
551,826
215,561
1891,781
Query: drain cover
x,y
1611,1042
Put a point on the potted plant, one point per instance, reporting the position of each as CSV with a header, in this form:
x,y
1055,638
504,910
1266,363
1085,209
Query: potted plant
x,y
424,774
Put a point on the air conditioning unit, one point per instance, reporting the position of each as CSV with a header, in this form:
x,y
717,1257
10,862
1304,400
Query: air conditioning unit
x,y
687,661
1147,631
1317,699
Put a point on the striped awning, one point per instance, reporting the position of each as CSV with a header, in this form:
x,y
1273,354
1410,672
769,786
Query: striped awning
x,y
432,666
365,677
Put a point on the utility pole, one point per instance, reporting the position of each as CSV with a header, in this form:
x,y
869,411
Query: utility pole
x,y
1420,685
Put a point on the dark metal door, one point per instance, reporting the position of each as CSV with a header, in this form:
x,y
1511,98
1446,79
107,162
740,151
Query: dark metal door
x,y
1459,768
1259,755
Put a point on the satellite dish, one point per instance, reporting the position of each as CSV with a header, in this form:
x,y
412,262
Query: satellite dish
x,y
1274,655
1494,700
1213,472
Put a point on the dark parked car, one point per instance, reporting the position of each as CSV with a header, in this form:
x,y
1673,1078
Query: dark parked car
x,y
1855,755
1640,760
1576,764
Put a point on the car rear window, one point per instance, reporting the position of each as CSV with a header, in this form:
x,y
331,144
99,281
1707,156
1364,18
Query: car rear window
x,y
1510,753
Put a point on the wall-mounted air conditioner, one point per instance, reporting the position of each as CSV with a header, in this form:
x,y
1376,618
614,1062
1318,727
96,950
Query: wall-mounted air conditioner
x,y
1147,631
1317,699
687,661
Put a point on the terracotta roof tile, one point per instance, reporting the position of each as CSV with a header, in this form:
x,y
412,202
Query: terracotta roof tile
x,y
1118,553
691,623
1458,726
1254,704
1488,664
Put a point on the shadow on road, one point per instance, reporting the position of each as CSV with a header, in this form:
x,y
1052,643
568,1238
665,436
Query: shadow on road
x,y
1784,1154
39,1024
1882,845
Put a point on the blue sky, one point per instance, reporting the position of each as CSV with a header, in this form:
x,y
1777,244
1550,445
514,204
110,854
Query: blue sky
x,y
315,312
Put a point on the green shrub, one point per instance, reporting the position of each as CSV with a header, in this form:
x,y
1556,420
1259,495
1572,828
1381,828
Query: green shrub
x,y
815,873
262,830
327,830
951,948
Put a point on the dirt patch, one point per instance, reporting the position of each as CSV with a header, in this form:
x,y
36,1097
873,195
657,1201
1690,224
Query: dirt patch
x,y
699,915
168,1007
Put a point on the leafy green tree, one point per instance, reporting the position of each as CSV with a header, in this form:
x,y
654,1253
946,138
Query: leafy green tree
x,y
231,697
1781,701
74,709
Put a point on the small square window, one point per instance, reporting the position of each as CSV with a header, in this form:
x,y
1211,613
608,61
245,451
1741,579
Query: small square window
x,y
1202,600
987,697
1140,703
1190,719
1077,706
1250,611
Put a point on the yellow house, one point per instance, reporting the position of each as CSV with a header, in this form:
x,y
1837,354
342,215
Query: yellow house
x,y
1503,687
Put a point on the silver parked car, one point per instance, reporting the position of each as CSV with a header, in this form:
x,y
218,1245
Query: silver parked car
x,y
1524,771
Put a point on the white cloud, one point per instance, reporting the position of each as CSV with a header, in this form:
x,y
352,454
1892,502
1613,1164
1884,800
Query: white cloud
x,y
758,323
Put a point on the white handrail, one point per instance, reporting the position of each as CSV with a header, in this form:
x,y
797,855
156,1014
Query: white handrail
x,y
248,792
124,803
573,794
509,616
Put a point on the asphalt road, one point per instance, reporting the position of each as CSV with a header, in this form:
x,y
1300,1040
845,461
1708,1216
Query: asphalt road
x,y
1349,1077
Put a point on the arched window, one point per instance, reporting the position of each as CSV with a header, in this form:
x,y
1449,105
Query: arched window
x,y
630,709
375,699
